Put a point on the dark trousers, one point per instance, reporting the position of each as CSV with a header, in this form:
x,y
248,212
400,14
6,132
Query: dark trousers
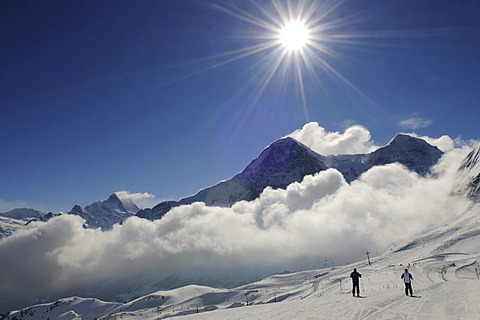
x,y
357,286
408,288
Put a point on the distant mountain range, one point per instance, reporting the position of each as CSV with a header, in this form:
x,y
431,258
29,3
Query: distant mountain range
x,y
101,214
287,160
283,162
18,218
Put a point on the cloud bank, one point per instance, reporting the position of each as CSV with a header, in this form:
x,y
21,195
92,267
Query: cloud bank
x,y
319,221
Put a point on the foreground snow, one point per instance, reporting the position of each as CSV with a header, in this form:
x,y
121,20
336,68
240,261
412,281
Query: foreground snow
x,y
382,298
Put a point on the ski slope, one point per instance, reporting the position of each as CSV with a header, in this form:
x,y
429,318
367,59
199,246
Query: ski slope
x,y
443,263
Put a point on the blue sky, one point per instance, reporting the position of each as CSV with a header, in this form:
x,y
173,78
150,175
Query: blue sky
x,y
154,96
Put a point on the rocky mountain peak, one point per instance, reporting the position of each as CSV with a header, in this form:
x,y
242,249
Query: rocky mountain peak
x,y
77,209
114,199
414,153
106,213
127,204
404,139
283,155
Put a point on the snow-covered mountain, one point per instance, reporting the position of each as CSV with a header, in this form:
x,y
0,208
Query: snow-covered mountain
x,y
106,213
100,214
283,162
287,160
20,218
8,226
25,214
468,182
68,308
414,153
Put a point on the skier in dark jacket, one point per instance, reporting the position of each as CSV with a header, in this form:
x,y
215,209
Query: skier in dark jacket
x,y
407,279
355,281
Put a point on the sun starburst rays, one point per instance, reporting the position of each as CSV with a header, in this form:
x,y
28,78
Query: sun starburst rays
x,y
294,40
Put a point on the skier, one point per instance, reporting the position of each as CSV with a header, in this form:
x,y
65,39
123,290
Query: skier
x,y
407,279
355,281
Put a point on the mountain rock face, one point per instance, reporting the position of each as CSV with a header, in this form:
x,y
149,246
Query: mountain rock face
x,y
283,162
468,182
287,160
416,154
106,213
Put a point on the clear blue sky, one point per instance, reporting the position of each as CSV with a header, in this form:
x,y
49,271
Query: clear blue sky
x,y
102,96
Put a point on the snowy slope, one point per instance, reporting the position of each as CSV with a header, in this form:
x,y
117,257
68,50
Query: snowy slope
x,y
442,262
468,182
68,308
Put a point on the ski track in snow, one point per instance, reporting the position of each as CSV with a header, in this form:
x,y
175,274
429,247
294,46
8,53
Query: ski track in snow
x,y
445,287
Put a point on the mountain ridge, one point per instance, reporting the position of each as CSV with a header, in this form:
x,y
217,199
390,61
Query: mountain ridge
x,y
281,163
105,213
287,160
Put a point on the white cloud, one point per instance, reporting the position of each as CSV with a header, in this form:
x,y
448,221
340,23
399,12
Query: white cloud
x,y
320,218
356,139
414,123
142,200
444,143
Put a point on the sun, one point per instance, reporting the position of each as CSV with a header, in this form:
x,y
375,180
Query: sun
x,y
294,36
296,42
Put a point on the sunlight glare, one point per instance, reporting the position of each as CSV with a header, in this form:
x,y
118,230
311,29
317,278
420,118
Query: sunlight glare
x,y
294,36
293,40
